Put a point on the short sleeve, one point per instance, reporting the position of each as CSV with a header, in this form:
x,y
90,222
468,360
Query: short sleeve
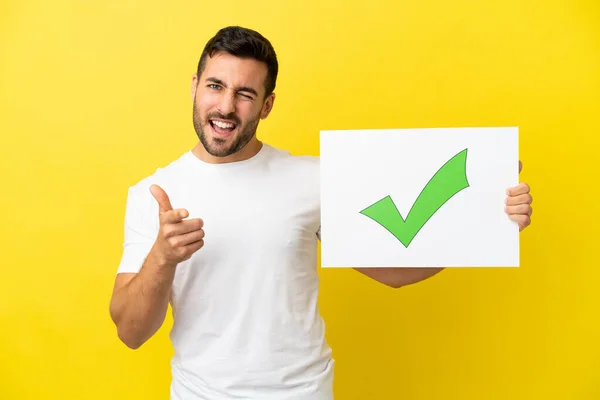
x,y
140,233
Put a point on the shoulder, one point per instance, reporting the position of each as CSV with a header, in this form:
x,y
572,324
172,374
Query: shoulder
x,y
167,177
305,164
298,176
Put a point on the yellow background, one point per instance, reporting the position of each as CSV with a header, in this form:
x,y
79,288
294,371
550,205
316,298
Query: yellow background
x,y
95,96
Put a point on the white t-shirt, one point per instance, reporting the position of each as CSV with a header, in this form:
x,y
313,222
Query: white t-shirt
x,y
246,319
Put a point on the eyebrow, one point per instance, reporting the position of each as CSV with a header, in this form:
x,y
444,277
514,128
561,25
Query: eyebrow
x,y
238,89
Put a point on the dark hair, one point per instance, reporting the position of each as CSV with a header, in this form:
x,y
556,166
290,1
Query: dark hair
x,y
243,43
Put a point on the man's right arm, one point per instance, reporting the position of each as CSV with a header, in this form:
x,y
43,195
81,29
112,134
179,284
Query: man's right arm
x,y
140,300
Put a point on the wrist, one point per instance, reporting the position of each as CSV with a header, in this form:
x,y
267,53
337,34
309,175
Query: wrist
x,y
160,261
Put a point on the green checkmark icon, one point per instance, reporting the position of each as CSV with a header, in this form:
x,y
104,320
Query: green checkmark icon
x,y
450,179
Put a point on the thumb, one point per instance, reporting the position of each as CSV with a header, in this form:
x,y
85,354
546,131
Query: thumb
x,y
164,204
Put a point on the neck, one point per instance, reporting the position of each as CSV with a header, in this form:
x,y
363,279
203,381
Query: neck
x,y
248,151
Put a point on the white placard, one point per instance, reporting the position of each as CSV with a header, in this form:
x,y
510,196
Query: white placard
x,y
452,181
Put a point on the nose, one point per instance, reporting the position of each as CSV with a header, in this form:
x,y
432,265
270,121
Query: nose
x,y
227,103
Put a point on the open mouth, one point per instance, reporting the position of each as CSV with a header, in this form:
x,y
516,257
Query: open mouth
x,y
222,128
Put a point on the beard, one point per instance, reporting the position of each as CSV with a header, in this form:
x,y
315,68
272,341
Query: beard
x,y
217,147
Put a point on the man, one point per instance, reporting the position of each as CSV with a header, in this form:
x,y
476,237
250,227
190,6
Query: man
x,y
246,323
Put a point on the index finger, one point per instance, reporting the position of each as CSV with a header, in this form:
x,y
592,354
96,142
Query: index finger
x,y
173,216
521,188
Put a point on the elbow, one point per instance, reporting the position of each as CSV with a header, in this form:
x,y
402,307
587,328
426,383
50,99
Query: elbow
x,y
411,276
400,281
129,340
395,284
128,335
125,332
133,345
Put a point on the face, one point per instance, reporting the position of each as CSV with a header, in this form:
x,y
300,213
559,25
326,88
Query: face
x,y
229,101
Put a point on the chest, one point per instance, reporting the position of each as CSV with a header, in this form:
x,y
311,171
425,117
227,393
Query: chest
x,y
252,220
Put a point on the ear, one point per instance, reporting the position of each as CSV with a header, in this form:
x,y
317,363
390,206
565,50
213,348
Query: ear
x,y
268,106
194,86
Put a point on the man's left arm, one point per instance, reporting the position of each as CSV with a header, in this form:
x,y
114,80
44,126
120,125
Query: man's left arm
x,y
518,208
398,277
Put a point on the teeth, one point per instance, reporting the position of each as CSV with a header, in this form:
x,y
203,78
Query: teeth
x,y
223,125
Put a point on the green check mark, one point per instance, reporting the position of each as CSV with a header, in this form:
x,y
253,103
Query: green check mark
x,y
450,179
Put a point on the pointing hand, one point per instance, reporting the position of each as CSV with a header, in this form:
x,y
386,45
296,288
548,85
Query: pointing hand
x,y
177,238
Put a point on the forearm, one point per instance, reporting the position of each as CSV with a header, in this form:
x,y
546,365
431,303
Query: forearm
x,y
398,277
140,306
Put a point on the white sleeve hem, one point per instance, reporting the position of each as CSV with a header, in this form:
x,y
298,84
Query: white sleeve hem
x,y
139,236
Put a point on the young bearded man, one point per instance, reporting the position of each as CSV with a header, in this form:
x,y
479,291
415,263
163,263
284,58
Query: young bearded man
x,y
246,321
